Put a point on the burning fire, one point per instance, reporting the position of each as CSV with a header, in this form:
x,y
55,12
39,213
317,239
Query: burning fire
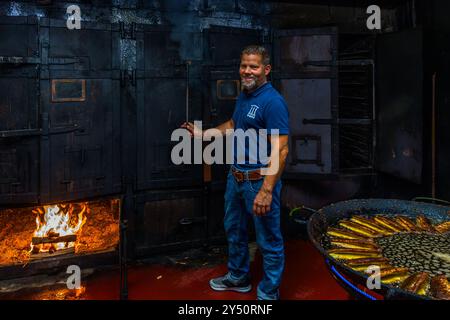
x,y
57,222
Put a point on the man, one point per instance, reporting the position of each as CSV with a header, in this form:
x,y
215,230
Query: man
x,y
248,192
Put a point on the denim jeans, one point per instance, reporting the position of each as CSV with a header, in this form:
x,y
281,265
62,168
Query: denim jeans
x,y
239,197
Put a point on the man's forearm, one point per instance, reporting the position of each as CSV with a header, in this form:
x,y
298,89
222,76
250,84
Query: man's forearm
x,y
218,131
271,180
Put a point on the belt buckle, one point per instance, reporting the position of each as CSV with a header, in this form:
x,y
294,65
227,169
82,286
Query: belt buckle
x,y
239,175
236,174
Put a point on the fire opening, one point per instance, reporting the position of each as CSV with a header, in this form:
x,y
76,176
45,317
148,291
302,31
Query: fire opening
x,y
58,229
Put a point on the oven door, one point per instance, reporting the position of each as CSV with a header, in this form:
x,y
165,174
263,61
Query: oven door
x,y
305,73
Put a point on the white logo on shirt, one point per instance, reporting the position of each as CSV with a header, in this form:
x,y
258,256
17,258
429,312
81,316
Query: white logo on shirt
x,y
252,112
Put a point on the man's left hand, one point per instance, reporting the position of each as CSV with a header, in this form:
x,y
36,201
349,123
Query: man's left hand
x,y
262,202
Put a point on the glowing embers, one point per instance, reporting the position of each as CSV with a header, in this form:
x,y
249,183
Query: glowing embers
x,y
57,227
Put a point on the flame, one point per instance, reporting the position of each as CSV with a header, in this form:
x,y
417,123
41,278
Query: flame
x,y
57,221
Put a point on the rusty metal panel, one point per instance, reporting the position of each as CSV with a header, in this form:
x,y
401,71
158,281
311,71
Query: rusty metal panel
x,y
160,113
19,114
160,50
310,144
82,159
305,73
163,77
223,45
18,103
169,219
80,110
304,51
19,36
19,142
399,78
85,46
19,170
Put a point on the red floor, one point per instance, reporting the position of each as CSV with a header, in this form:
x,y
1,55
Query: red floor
x,y
305,278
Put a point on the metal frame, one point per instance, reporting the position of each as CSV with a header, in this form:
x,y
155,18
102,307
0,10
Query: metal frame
x,y
83,90
318,159
371,121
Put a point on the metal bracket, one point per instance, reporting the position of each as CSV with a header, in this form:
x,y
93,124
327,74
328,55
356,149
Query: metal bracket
x,y
127,31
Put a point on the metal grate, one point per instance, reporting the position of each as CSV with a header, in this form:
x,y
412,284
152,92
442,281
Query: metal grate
x,y
356,103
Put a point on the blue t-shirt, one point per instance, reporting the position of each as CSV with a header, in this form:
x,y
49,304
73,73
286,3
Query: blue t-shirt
x,y
263,108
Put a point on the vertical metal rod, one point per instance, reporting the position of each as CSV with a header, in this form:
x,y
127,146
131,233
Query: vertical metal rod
x,y
123,262
374,110
187,90
433,136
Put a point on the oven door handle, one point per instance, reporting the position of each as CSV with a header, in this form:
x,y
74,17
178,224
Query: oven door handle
x,y
20,133
338,121
39,132
69,129
192,220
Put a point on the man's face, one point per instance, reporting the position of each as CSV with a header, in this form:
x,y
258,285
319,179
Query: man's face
x,y
252,71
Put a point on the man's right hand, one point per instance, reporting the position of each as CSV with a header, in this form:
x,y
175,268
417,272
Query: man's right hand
x,y
195,131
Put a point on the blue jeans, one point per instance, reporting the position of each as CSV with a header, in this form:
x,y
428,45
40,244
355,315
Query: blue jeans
x,y
239,199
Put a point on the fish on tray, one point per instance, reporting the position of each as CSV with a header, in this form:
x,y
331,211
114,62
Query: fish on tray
x,y
442,227
348,254
418,283
344,234
363,264
393,275
353,244
440,287
406,223
359,229
371,225
388,223
373,261
424,224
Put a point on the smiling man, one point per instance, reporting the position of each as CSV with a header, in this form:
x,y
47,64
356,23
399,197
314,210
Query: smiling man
x,y
251,195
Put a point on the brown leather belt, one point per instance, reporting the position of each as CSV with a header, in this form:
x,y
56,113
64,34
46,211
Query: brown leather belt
x,y
246,175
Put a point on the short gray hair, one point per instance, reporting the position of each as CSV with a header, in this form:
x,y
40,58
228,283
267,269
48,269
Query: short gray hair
x,y
257,49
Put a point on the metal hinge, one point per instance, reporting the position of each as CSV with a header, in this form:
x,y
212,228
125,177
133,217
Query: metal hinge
x,y
19,60
127,76
266,37
191,220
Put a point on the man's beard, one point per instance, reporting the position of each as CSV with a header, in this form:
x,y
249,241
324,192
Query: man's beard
x,y
250,85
